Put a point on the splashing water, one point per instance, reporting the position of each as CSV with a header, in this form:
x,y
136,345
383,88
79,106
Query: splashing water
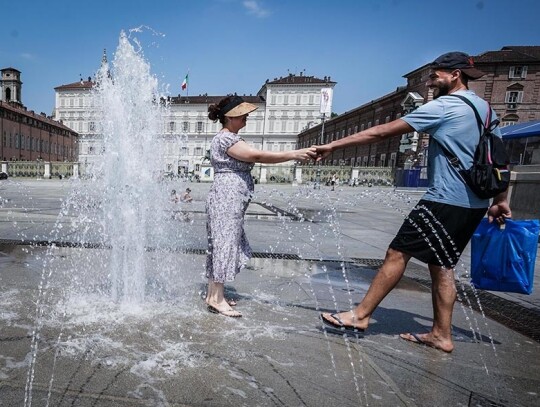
x,y
123,208
131,121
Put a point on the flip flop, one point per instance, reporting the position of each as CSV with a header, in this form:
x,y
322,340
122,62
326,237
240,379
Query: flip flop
x,y
228,313
340,326
419,341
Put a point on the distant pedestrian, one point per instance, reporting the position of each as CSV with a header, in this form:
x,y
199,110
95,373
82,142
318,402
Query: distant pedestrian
x,y
174,196
187,196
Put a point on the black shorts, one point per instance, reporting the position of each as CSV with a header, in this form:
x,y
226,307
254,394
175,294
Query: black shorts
x,y
437,233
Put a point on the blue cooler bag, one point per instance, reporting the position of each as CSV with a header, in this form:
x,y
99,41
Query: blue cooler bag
x,y
503,258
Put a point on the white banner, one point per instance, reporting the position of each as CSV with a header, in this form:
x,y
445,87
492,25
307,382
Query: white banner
x,y
326,101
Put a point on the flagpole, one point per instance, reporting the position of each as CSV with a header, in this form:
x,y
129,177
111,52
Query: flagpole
x,y
187,84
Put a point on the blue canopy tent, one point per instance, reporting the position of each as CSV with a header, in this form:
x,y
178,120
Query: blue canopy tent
x,y
523,142
520,130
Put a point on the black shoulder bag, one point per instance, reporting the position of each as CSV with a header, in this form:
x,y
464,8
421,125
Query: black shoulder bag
x,y
489,174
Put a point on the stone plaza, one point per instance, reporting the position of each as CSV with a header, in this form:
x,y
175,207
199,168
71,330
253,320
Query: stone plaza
x,y
315,250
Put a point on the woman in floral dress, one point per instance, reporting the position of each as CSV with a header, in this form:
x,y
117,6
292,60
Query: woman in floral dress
x,y
229,196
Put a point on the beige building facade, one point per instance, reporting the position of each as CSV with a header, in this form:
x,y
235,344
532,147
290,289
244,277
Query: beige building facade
x,y
286,105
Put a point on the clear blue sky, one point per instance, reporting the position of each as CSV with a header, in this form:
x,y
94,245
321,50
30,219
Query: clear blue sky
x,y
366,46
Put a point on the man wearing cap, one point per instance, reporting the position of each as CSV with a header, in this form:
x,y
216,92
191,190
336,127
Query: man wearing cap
x,y
439,227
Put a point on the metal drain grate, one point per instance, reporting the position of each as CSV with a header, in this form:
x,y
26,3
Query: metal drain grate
x,y
13,242
282,256
374,263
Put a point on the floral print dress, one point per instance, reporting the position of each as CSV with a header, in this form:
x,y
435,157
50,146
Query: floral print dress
x,y
226,204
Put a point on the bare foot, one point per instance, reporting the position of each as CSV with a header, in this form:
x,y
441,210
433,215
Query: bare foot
x,y
446,345
224,309
230,301
346,319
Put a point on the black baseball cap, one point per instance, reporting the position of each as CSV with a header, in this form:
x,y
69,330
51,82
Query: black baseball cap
x,y
458,60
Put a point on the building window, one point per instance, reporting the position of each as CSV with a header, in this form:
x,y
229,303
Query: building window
x,y
185,127
200,127
517,72
198,151
509,119
513,98
172,126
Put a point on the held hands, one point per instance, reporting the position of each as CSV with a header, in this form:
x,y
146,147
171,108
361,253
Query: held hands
x,y
316,153
305,154
322,152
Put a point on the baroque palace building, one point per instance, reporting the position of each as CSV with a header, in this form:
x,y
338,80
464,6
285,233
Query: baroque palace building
x,y
28,136
286,106
511,85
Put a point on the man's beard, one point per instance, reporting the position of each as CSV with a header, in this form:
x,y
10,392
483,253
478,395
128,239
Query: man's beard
x,y
441,90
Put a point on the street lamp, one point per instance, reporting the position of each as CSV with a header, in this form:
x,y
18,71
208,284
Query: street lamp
x,y
318,171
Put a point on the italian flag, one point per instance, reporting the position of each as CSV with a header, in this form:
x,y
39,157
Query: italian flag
x,y
185,82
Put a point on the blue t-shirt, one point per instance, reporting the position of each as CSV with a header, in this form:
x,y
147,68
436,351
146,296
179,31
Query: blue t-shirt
x,y
452,123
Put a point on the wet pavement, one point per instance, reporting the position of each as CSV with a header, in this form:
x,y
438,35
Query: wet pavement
x,y
63,342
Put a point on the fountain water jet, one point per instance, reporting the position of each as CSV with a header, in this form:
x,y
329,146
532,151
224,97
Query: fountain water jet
x,y
128,104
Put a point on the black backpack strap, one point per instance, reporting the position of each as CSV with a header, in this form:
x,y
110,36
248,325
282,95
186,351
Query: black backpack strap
x,y
479,120
452,157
